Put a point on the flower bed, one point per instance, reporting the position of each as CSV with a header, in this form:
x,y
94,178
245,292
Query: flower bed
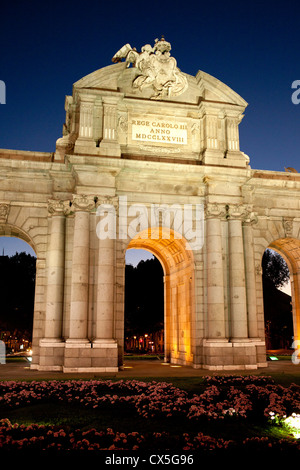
x,y
225,399
14,437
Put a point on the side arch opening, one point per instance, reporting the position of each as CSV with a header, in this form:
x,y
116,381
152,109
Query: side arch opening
x,y
17,278
288,327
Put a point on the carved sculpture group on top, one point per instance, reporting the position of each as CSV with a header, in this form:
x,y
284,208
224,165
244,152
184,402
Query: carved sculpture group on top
x,y
156,69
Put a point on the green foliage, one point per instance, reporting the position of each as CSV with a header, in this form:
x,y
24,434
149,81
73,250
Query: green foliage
x,y
144,297
17,280
275,268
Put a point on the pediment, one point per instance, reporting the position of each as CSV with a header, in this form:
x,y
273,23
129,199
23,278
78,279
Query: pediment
x,y
120,78
215,90
104,78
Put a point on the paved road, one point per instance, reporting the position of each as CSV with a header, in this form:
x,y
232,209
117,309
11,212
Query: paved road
x,y
146,369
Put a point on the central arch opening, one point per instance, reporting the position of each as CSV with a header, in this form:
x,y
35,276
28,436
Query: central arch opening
x,y
176,259
144,304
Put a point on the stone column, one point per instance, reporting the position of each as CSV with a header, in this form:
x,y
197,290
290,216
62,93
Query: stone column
x,y
106,233
105,347
52,345
215,279
105,290
55,272
237,284
80,269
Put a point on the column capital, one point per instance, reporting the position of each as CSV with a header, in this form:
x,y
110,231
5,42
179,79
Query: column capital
x,y
57,207
238,211
83,203
214,210
250,219
107,201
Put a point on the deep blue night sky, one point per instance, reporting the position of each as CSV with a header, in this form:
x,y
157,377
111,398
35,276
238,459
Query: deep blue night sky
x,y
253,47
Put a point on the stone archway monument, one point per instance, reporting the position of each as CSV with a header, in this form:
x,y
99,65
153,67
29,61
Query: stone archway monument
x,y
149,158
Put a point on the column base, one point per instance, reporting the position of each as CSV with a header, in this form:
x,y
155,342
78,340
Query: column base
x,y
77,342
89,357
85,145
231,158
78,355
104,343
90,370
110,148
181,358
235,354
51,354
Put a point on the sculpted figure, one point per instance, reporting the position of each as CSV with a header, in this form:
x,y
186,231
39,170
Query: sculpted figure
x,y
157,68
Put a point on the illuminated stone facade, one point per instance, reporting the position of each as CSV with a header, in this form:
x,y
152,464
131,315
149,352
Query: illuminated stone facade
x,y
143,130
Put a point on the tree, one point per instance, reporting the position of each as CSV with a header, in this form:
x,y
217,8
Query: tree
x,y
277,304
275,268
17,281
144,298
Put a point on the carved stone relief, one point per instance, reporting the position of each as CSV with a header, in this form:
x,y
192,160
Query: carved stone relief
x,y
157,70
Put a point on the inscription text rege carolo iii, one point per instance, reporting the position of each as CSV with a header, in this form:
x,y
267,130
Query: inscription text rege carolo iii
x,y
161,131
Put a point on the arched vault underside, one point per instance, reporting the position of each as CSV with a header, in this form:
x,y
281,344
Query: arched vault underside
x,y
289,249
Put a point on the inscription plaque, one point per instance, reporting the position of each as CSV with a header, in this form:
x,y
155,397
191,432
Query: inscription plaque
x,y
157,130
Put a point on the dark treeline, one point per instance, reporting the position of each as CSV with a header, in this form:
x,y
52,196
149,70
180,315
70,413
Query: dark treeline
x,y
144,298
277,304
17,281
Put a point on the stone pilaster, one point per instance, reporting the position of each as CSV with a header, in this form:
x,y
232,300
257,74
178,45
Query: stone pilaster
x,y
232,134
109,145
85,141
